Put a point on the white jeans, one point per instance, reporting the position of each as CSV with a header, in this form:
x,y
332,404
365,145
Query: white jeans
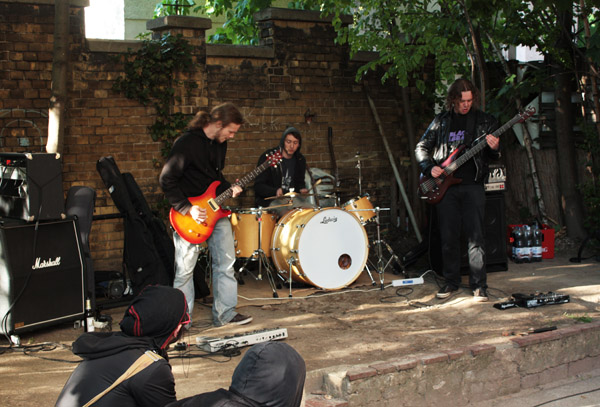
x,y
224,285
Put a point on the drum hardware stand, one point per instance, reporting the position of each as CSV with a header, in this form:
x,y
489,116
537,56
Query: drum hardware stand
x,y
379,243
260,255
291,261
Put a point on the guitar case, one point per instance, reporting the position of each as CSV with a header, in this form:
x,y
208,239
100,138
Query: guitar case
x,y
162,240
142,263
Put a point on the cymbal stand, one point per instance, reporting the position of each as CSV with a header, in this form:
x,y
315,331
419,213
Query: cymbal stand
x,y
259,254
379,243
359,174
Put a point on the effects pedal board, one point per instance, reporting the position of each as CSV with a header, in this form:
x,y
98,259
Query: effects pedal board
x,y
240,340
533,300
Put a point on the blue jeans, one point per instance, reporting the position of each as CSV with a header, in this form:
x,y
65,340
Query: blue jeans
x,y
224,285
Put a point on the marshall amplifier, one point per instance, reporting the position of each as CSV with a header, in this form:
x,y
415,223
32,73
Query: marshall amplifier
x,y
41,269
31,186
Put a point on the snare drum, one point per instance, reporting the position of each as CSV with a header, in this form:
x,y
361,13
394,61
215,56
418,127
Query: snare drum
x,y
245,231
361,207
327,248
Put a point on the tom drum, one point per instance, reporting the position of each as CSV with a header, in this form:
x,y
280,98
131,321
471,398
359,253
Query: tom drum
x,y
245,225
361,207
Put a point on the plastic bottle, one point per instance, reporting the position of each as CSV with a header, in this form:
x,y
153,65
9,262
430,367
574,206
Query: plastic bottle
x,y
536,247
528,244
517,249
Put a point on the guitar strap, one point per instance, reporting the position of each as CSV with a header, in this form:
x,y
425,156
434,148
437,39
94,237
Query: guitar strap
x,y
140,364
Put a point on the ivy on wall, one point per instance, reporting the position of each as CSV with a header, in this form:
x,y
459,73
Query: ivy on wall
x,y
151,79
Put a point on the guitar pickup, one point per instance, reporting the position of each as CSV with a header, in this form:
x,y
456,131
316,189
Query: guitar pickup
x,y
213,205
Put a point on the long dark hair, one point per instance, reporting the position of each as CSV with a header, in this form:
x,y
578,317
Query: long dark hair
x,y
226,113
457,88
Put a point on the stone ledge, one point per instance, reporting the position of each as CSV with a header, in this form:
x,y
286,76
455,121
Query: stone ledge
x,y
400,379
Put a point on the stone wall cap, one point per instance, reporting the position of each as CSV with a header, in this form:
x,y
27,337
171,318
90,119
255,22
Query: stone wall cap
x,y
285,14
116,46
239,51
199,23
73,3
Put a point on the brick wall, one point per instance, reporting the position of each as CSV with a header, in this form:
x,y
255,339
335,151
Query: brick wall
x,y
298,67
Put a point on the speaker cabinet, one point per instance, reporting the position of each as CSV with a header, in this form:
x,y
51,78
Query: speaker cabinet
x,y
42,274
495,238
31,186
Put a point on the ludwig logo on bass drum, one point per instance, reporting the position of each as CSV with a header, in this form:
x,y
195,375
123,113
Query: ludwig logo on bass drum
x,y
41,264
327,220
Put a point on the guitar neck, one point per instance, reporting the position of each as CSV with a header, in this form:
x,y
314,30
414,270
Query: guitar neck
x,y
245,180
480,146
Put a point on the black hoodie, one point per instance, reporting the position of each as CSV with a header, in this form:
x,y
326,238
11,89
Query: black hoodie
x,y
269,181
271,374
149,323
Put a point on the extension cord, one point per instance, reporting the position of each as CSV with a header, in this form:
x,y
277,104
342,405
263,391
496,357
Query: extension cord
x,y
407,281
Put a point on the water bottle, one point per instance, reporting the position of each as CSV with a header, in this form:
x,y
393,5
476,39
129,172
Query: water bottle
x,y
528,244
517,249
536,248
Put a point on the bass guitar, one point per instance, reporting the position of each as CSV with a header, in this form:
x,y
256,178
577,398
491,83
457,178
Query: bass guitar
x,y
195,232
433,189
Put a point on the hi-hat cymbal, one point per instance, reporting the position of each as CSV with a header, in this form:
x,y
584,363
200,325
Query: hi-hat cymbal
x,y
359,156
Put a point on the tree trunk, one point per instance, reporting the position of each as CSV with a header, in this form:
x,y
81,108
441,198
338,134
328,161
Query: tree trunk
x,y
56,119
565,144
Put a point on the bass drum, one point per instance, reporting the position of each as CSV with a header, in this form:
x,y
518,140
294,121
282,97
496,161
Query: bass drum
x,y
327,248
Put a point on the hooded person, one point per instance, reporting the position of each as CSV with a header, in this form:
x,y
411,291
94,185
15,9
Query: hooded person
x,y
286,177
153,321
271,374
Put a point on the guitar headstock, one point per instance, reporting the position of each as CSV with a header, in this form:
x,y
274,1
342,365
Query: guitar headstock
x,y
530,111
274,158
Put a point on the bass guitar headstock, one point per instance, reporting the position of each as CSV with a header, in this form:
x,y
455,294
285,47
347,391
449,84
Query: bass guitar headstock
x,y
530,111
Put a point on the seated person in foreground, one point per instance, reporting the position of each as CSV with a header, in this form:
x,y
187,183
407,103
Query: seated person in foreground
x,y
270,374
152,322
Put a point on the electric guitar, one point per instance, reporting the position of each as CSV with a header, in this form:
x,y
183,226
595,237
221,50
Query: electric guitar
x,y
433,189
195,232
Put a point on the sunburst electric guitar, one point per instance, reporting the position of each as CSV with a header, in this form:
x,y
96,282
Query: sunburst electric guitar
x,y
433,189
195,232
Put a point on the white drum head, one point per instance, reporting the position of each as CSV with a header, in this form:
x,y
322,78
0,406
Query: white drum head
x,y
333,248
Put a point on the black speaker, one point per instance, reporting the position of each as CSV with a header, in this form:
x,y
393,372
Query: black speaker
x,y
495,238
42,274
31,186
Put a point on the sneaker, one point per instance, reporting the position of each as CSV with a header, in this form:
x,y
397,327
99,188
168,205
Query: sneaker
x,y
446,291
240,319
480,295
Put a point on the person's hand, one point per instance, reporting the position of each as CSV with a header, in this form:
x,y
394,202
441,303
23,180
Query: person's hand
x,y
198,214
436,171
493,142
279,192
303,191
236,190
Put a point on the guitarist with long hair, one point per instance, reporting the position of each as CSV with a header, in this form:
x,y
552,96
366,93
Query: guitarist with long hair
x,y
460,200
195,162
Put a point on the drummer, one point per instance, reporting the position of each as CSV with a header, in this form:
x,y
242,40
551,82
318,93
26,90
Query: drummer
x,y
285,178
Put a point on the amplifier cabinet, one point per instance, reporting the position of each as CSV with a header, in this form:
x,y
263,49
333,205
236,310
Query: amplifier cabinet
x,y
31,186
41,275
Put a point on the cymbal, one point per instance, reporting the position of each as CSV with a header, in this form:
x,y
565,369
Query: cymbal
x,y
289,195
359,156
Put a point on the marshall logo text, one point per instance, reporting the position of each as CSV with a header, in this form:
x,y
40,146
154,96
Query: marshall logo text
x,y
41,264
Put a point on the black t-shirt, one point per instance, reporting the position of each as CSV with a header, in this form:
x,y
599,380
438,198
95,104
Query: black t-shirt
x,y
460,134
288,166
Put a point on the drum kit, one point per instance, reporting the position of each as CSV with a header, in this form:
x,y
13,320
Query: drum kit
x,y
324,247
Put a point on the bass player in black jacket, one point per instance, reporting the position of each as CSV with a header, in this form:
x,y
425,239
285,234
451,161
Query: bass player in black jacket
x,y
463,204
